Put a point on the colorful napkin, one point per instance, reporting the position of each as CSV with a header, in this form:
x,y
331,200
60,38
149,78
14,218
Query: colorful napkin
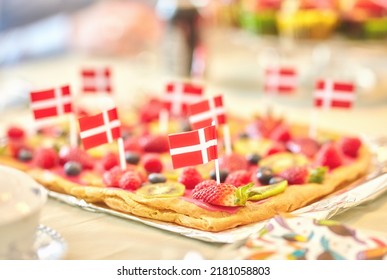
x,y
302,238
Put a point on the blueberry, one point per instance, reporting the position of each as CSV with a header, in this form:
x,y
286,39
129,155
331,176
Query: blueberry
x,y
264,175
222,175
155,178
72,168
132,157
253,158
24,155
275,180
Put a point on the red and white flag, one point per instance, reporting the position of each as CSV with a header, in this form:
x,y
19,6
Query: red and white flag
x,y
281,80
193,147
51,102
100,129
334,94
96,80
178,96
203,113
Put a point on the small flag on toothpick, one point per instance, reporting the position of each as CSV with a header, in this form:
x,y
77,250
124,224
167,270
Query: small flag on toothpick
x,y
331,94
206,112
194,147
54,102
100,129
96,80
177,97
280,80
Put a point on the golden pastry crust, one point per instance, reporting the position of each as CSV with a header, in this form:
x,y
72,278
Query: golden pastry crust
x,y
182,212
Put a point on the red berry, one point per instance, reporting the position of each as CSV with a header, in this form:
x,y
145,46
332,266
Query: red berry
x,y
46,158
190,177
153,143
132,144
109,161
296,175
203,185
152,163
350,146
218,194
112,177
130,181
76,154
303,145
150,111
276,148
233,162
329,155
15,133
238,178
281,133
15,147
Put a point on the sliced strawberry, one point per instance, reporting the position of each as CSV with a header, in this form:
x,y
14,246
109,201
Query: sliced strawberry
x,y
204,185
303,145
329,155
350,146
220,194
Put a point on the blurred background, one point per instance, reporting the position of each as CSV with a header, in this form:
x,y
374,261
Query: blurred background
x,y
224,43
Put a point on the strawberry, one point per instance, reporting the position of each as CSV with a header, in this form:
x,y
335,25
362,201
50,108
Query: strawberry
x,y
152,163
203,185
67,153
15,133
129,181
219,194
46,158
350,146
238,178
109,161
303,145
233,162
153,143
281,133
329,155
112,177
190,177
296,175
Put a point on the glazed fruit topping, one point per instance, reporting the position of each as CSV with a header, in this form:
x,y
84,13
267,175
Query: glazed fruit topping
x,y
296,175
329,155
303,145
238,178
350,146
162,190
233,162
112,177
156,178
153,143
264,175
152,163
129,180
72,168
132,157
79,155
46,158
15,133
222,175
253,159
25,154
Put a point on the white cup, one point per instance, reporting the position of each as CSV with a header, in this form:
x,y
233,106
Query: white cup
x,y
21,202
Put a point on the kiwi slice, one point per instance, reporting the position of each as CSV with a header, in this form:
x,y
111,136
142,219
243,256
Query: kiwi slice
x,y
258,193
167,189
281,161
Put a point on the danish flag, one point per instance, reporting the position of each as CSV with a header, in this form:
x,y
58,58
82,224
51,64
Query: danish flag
x,y
100,129
96,80
203,113
178,96
193,147
51,102
282,80
334,94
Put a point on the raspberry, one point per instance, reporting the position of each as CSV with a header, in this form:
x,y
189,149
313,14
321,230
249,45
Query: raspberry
x,y
350,146
329,155
296,175
238,178
190,177
203,185
152,163
281,134
112,177
130,181
15,133
154,143
15,147
233,162
76,154
46,158
109,161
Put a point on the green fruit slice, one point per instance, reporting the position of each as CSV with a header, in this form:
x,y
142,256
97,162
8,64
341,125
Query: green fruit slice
x,y
259,193
168,189
281,161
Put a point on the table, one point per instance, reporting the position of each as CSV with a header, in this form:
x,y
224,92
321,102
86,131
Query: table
x,y
96,236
